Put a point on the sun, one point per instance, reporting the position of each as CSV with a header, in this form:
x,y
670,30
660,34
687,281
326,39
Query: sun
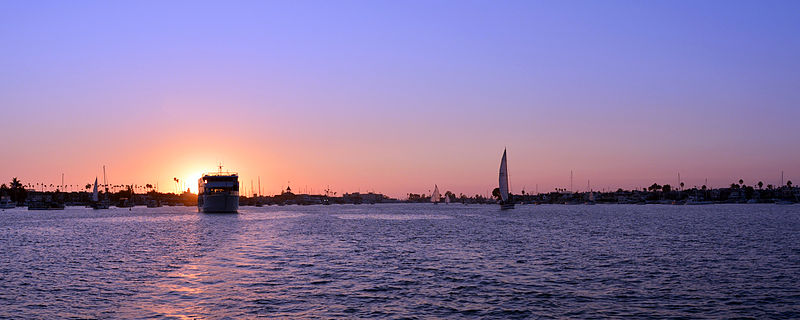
x,y
191,181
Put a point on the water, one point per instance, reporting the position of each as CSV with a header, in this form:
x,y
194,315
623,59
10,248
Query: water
x,y
394,261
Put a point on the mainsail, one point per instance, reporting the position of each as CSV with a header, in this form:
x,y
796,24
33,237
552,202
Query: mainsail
x,y
504,178
95,197
435,195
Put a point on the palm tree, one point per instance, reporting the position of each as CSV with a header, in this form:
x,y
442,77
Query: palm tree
x,y
15,186
760,184
741,182
789,184
15,183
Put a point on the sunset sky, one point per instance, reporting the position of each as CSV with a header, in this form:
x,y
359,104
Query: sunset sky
x,y
396,96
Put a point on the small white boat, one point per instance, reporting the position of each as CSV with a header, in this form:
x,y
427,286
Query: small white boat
x,y
435,196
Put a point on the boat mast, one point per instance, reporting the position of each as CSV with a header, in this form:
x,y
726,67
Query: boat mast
x,y
570,182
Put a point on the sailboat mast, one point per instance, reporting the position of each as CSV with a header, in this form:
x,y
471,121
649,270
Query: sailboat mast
x,y
570,182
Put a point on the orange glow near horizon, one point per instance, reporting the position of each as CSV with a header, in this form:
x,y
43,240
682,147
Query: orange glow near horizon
x,y
394,169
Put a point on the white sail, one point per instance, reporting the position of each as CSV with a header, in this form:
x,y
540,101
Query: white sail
x,y
504,178
435,195
446,199
95,197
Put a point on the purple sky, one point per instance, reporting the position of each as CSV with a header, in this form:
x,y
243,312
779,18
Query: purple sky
x,y
398,96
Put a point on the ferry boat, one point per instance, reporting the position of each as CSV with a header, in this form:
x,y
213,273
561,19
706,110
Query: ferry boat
x,y
218,192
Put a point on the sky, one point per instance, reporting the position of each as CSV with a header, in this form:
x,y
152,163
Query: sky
x,y
396,96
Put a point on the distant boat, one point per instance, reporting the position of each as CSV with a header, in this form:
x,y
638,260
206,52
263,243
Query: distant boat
x,y
96,203
45,202
95,196
153,203
506,201
591,199
6,203
446,200
435,195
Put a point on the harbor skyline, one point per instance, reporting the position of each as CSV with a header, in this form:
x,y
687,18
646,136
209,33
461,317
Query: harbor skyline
x,y
396,98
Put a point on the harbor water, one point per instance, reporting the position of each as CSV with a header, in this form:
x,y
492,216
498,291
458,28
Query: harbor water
x,y
402,260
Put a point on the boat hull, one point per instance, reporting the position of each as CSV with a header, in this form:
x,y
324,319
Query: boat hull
x,y
218,203
100,205
506,206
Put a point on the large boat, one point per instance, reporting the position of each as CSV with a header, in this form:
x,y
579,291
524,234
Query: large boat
x,y
218,192
506,201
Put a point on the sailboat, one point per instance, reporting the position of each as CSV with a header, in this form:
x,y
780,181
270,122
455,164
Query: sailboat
x,y
435,195
506,201
95,196
591,198
446,199
96,203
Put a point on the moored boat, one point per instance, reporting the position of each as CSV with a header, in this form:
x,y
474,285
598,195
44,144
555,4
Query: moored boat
x,y
96,203
6,203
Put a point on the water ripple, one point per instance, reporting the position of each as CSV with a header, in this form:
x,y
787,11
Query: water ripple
x,y
403,261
